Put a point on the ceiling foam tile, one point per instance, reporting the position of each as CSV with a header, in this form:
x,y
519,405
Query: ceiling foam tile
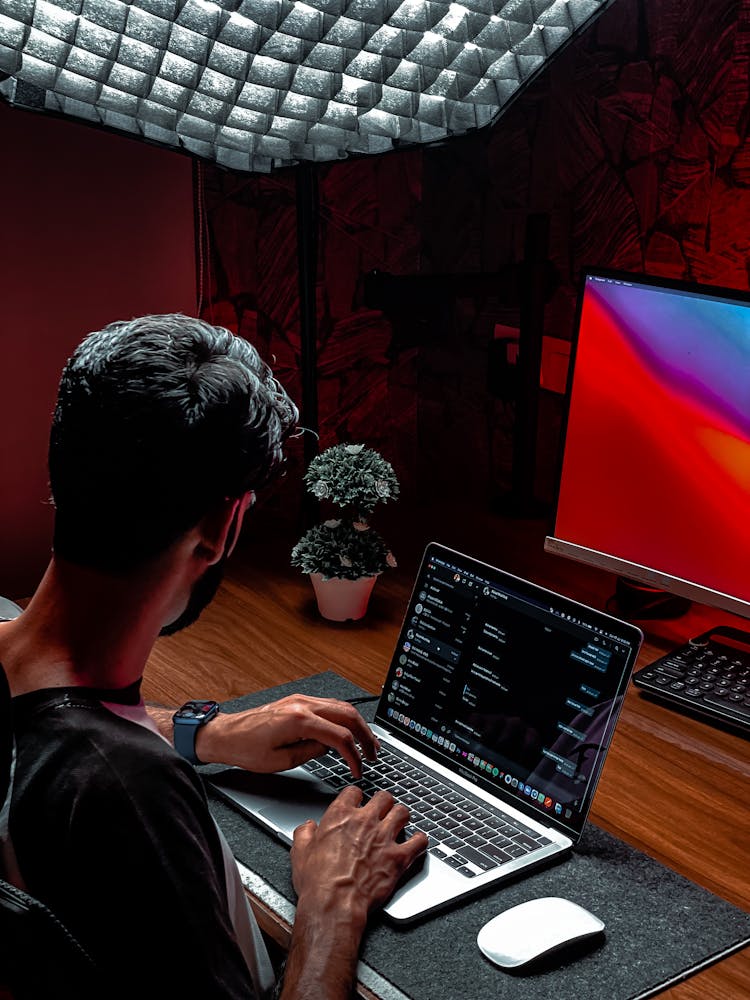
x,y
259,84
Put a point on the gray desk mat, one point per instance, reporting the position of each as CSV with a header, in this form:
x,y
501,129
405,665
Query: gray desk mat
x,y
660,927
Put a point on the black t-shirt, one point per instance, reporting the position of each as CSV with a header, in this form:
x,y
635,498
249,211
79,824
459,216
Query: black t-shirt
x,y
111,829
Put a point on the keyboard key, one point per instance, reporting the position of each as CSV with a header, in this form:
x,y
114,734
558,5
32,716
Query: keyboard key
x,y
407,783
483,861
455,861
448,823
671,670
501,842
501,857
473,824
522,828
528,842
453,843
506,829
409,798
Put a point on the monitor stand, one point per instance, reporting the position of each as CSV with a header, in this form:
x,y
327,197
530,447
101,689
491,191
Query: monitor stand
x,y
638,601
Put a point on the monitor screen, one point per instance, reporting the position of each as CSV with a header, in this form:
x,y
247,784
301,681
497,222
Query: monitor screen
x,y
655,476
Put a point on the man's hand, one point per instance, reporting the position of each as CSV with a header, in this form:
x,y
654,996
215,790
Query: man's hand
x,y
286,733
352,857
342,869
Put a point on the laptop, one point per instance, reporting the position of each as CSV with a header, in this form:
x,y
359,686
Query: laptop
x,y
494,721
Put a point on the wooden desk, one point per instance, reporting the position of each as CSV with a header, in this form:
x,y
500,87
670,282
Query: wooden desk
x,y
673,787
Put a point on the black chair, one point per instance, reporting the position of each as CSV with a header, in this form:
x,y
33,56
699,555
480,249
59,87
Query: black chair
x,y
39,957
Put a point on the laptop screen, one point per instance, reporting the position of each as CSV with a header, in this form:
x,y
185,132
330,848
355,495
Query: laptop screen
x,y
514,686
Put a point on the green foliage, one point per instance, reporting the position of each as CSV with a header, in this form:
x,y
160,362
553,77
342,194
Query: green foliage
x,y
350,475
355,479
338,548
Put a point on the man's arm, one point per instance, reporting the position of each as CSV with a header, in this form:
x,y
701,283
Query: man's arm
x,y
162,719
280,735
342,868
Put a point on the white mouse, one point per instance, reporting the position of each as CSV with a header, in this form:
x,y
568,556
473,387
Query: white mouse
x,y
534,929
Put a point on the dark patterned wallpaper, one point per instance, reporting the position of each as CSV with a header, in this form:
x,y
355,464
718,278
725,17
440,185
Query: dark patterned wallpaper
x,y
634,145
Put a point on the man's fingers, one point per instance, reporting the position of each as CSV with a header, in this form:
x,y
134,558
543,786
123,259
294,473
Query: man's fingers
x,y
341,714
338,738
304,833
299,719
300,753
394,816
348,798
383,803
415,846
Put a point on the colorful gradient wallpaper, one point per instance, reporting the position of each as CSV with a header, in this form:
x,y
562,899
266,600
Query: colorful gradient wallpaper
x,y
656,468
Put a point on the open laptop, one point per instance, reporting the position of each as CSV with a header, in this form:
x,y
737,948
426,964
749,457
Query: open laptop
x,y
494,722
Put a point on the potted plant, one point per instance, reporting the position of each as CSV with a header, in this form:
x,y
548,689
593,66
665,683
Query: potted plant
x,y
344,555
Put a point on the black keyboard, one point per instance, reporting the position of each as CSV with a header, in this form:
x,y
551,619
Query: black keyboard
x,y
709,675
464,832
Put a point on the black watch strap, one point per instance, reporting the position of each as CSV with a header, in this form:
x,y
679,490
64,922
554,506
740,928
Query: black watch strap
x,y
187,721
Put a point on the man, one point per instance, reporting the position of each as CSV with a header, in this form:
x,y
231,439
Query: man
x,y
164,429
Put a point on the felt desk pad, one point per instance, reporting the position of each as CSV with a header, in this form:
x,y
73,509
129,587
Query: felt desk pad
x,y
660,927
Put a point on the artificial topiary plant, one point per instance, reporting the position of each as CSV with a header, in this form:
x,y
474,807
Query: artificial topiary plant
x,y
355,479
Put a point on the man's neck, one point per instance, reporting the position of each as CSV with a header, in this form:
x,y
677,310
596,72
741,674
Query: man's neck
x,y
83,628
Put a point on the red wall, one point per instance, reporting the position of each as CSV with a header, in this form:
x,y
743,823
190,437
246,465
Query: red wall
x,y
634,143
95,227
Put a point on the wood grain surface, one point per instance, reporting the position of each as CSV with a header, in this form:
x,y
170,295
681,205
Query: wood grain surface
x,y
673,786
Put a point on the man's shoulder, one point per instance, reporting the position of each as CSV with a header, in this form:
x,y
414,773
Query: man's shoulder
x,y
66,731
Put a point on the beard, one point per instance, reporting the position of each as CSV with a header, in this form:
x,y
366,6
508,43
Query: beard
x,y
203,592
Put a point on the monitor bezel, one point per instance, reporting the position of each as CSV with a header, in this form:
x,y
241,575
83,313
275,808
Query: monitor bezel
x,y
557,545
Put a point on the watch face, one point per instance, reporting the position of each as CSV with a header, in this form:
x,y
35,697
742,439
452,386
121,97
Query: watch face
x,y
201,711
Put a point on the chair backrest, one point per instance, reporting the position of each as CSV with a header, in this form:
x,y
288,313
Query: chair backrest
x,y
6,737
39,957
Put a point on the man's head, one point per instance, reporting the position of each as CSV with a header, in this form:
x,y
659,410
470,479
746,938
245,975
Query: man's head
x,y
158,421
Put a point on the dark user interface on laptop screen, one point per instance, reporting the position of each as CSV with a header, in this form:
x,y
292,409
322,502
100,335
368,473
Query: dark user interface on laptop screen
x,y
508,684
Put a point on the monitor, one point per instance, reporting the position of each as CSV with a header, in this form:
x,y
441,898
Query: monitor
x,y
655,473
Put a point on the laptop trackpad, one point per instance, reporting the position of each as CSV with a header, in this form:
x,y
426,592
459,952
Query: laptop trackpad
x,y
279,801
286,817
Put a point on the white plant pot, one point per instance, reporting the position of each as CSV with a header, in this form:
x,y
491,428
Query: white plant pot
x,y
342,600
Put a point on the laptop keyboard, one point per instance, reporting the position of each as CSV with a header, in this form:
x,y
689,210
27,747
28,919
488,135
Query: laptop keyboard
x,y
465,833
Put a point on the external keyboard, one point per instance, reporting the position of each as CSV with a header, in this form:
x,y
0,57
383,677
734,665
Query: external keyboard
x,y
466,833
709,675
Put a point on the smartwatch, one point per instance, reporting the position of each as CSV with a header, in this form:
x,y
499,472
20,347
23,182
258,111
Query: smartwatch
x,y
187,721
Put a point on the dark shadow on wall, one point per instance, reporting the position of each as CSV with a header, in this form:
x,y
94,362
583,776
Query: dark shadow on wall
x,y
633,144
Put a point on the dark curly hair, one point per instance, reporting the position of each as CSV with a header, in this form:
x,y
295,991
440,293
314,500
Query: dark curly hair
x,y
158,419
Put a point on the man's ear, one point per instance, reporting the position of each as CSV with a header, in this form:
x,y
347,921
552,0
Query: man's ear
x,y
220,527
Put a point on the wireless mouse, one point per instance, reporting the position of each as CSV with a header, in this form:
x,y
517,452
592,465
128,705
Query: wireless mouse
x,y
535,929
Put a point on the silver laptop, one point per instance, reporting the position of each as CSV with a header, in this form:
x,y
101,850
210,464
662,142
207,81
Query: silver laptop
x,y
494,722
